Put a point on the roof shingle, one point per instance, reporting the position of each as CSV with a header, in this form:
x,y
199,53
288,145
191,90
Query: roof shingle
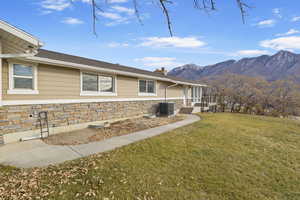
x,y
96,63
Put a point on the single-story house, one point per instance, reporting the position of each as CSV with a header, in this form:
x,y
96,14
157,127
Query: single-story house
x,y
75,91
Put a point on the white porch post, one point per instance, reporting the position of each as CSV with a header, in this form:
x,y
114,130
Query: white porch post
x,y
1,74
201,94
184,95
192,94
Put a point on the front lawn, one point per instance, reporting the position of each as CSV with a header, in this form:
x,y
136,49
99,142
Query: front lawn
x,y
224,156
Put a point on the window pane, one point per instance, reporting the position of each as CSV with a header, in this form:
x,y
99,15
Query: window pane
x,y
89,82
143,86
21,70
106,84
151,87
23,83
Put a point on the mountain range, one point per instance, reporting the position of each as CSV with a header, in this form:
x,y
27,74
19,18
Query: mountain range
x,y
280,66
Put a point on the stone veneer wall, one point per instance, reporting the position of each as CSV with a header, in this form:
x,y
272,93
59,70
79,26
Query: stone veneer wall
x,y
18,118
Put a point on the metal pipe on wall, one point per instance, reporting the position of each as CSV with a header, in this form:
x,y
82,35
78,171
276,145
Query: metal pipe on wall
x,y
1,73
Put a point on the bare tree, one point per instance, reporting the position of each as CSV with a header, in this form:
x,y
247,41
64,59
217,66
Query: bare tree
x,y
254,95
286,97
206,5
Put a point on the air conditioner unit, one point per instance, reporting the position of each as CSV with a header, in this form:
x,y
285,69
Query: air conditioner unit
x,y
166,109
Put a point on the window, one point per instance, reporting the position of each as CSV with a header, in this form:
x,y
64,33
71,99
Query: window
x,y
89,82
97,85
143,86
106,84
22,79
147,87
150,86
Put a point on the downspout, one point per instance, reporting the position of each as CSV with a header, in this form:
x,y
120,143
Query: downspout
x,y
168,88
1,75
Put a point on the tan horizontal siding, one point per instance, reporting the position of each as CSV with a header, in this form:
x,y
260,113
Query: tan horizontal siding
x,y
175,91
127,87
64,83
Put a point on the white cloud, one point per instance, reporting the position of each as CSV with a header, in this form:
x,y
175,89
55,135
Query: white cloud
x,y
85,1
109,15
296,19
57,5
254,52
117,1
266,23
158,62
46,12
155,59
122,9
72,21
115,18
282,43
277,13
118,15
117,44
179,42
290,32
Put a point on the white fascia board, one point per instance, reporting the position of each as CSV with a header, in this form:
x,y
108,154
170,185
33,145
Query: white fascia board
x,y
98,69
20,34
192,84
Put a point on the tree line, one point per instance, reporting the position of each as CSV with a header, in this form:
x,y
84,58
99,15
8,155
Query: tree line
x,y
255,95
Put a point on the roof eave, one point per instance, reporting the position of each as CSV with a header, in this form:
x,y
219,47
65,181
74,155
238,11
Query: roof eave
x,y
113,71
20,34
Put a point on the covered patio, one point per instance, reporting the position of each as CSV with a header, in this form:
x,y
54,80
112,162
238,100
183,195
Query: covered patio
x,y
199,99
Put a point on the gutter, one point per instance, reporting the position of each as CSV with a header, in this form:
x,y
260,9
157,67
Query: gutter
x,y
1,98
21,55
30,52
168,88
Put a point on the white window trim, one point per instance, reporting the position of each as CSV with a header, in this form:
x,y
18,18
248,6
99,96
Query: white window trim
x,y
13,90
145,94
98,93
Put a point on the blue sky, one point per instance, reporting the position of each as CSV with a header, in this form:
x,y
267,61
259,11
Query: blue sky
x,y
199,37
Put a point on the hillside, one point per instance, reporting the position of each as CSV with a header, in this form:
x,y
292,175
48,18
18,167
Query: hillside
x,y
281,65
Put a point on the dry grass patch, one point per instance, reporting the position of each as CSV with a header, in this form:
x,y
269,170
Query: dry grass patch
x,y
118,128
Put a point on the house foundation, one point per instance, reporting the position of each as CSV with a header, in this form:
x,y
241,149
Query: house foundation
x,y
21,121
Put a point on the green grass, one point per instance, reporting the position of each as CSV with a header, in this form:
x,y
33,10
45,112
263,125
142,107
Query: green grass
x,y
224,156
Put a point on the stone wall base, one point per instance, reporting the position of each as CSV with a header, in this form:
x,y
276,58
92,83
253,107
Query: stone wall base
x,y
18,136
18,122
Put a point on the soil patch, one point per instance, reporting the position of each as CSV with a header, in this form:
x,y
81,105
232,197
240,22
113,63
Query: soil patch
x,y
124,127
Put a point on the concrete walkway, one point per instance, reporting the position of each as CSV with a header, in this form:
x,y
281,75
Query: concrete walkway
x,y
36,153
